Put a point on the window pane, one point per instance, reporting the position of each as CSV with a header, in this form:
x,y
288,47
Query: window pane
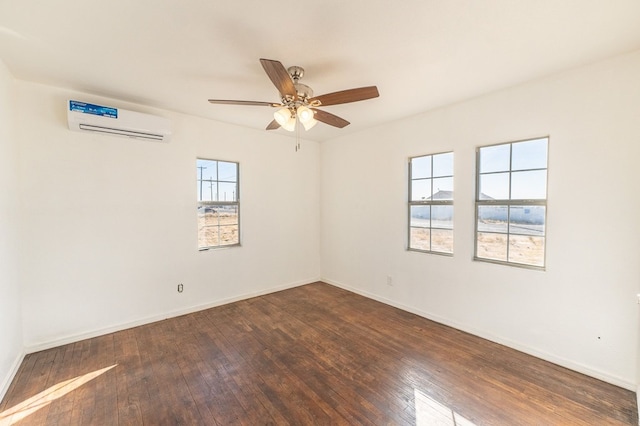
x,y
419,238
442,217
217,225
208,237
421,190
442,240
227,215
226,191
207,216
207,190
494,158
531,185
206,180
207,169
492,218
227,171
228,235
527,250
494,186
492,246
527,220
207,229
443,164
443,188
421,167
529,155
420,216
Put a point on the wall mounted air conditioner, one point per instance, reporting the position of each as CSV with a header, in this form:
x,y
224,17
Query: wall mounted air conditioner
x,y
85,117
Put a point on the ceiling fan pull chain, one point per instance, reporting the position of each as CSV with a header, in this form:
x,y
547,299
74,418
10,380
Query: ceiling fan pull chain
x,y
297,134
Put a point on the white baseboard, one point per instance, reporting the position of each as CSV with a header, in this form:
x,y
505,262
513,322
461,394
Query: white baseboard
x,y
580,368
6,381
30,348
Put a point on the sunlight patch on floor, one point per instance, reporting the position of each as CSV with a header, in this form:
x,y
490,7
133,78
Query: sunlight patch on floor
x,y
36,402
430,412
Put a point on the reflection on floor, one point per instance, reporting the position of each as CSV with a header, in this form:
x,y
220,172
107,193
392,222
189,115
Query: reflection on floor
x,y
36,402
430,412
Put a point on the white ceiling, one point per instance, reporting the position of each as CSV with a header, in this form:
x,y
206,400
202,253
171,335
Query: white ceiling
x,y
422,54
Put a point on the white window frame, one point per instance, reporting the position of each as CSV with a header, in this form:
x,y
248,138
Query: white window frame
x,y
428,202
509,203
217,203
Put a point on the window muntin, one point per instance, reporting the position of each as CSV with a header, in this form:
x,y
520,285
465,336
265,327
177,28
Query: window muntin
x,y
218,203
431,203
511,203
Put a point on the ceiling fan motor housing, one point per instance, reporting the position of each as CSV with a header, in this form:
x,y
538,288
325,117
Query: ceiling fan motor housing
x,y
303,91
296,72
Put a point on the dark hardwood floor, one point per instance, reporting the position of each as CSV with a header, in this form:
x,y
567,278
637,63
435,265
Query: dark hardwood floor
x,y
314,354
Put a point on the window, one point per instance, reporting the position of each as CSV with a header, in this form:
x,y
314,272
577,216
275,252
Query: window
x,y
511,203
218,204
431,203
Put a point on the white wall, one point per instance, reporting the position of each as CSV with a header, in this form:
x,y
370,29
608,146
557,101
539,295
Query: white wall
x,y
110,223
581,312
11,348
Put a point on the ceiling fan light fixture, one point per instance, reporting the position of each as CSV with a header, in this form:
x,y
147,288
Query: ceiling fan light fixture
x,y
304,114
309,123
282,116
290,124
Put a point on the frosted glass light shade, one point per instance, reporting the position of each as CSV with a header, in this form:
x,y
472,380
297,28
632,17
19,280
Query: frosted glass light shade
x,y
304,114
290,124
282,116
309,123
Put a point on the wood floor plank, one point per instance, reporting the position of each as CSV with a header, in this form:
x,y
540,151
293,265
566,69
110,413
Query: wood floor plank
x,y
334,359
171,400
40,379
257,406
279,376
19,388
219,388
96,403
314,354
131,392
69,367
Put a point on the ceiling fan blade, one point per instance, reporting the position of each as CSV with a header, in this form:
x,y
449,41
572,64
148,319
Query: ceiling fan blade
x,y
279,77
330,119
232,102
346,96
273,125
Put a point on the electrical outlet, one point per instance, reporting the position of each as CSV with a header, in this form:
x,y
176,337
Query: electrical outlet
x,y
389,281
638,298
180,288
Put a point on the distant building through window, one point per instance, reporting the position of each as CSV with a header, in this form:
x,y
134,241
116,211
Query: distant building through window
x,y
511,203
218,203
431,203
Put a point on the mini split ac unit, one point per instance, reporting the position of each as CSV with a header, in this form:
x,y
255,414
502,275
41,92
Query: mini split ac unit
x,y
85,117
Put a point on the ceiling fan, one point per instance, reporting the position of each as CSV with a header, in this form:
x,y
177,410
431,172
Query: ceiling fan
x,y
297,100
